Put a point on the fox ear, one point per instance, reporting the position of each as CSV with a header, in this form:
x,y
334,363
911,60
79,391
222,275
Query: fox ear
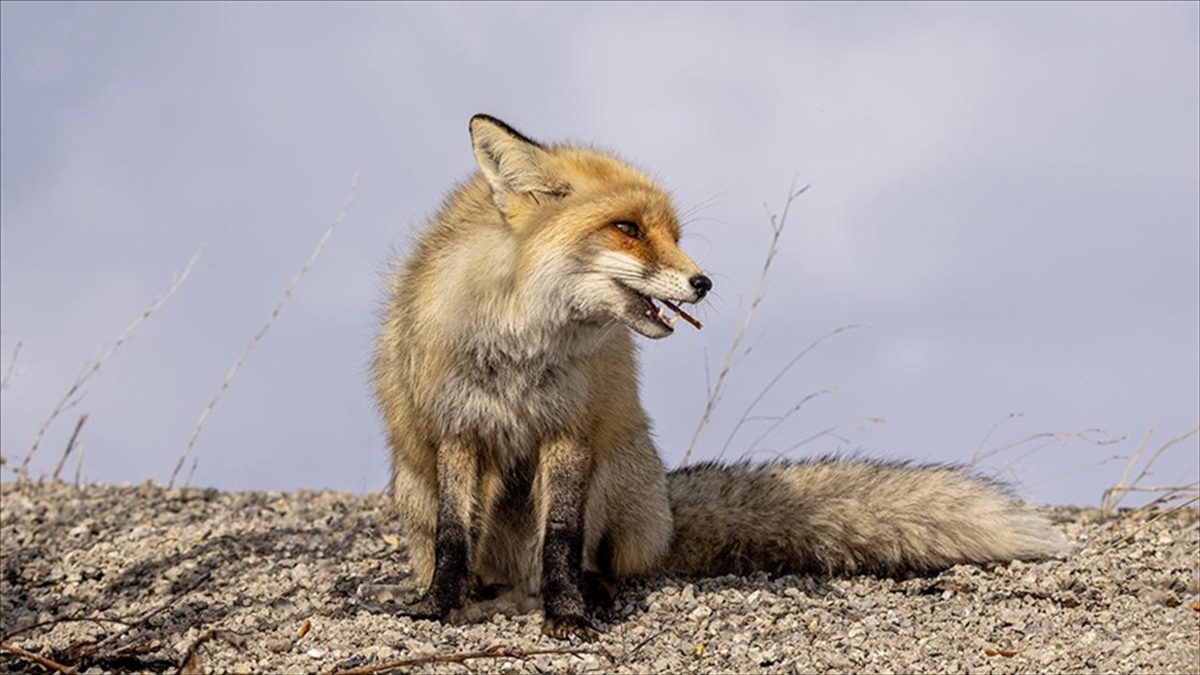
x,y
511,162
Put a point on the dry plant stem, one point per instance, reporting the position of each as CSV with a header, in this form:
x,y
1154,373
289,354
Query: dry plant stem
x,y
775,380
777,225
40,660
1161,449
141,620
1107,507
1060,438
988,436
257,337
831,431
8,372
91,370
496,652
70,446
79,463
1114,494
780,419
1146,524
191,660
54,622
1050,437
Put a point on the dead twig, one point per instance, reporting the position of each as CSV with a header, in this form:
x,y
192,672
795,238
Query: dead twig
x,y
94,645
780,419
1113,495
192,664
89,371
777,226
1086,435
54,622
1173,509
70,446
38,659
257,337
494,652
12,364
79,463
779,376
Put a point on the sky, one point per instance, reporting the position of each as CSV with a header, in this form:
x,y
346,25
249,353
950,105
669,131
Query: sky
x,y
1006,198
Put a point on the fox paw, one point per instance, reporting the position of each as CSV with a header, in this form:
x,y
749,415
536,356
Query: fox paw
x,y
566,627
425,607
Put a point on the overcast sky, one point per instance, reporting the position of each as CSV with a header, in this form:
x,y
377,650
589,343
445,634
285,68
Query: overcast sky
x,y
1009,195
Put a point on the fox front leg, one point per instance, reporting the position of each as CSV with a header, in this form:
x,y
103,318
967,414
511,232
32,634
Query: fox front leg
x,y
562,489
457,481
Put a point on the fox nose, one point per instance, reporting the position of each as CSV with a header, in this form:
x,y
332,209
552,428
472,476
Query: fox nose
x,y
702,284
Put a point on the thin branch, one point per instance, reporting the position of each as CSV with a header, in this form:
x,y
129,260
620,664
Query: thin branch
x,y
70,446
988,436
40,660
780,419
1146,524
89,371
146,616
1113,495
1106,507
54,622
1163,448
1052,436
831,431
79,463
1059,438
494,652
192,664
12,363
779,376
257,337
777,225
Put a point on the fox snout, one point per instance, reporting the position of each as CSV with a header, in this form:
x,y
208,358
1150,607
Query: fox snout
x,y
702,284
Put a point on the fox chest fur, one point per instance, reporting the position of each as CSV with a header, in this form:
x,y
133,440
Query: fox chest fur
x,y
511,395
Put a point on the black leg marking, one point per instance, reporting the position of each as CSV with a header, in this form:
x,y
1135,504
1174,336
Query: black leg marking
x,y
600,588
563,486
448,590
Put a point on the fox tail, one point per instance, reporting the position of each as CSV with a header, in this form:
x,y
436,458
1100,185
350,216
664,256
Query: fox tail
x,y
846,516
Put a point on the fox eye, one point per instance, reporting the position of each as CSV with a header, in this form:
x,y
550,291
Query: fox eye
x,y
628,228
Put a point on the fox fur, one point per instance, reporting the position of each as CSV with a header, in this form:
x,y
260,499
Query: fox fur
x,y
506,374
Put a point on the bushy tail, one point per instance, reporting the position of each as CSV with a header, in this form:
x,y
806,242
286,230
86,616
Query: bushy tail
x,y
845,516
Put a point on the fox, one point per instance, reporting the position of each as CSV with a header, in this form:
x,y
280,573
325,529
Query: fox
x,y
505,371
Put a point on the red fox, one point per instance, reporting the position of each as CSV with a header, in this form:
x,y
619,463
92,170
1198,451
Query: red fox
x,y
505,370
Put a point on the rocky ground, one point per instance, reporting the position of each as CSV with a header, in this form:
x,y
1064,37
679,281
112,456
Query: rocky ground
x,y
144,578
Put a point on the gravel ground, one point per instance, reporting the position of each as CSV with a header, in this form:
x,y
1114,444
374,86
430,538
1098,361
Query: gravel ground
x,y
241,573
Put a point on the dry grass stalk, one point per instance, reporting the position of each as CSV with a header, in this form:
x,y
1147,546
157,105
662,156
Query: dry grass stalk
x,y
1113,495
99,621
1130,535
35,658
67,401
777,225
70,446
775,380
1048,437
193,664
257,337
79,463
12,364
494,652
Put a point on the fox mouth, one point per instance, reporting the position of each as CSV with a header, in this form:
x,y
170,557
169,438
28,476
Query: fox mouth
x,y
656,314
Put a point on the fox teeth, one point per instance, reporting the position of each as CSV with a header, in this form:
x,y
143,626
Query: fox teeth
x,y
671,320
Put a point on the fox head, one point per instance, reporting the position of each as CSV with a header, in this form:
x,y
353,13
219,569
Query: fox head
x,y
593,233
